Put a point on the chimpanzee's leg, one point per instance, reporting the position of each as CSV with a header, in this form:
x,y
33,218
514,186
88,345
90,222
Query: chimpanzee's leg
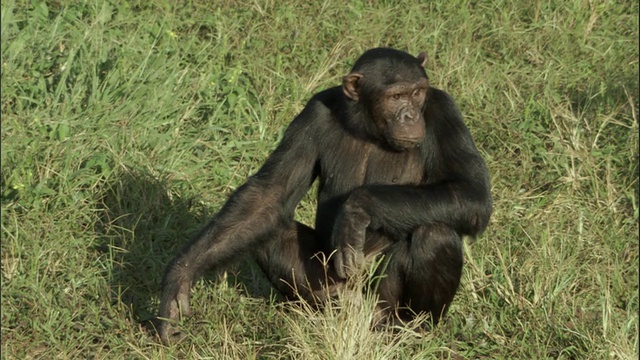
x,y
422,274
295,264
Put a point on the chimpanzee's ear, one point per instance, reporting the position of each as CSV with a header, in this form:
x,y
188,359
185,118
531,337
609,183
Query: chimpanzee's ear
x,y
422,57
350,85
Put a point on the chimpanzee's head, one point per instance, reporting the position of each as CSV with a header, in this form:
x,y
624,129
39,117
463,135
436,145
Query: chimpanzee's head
x,y
391,86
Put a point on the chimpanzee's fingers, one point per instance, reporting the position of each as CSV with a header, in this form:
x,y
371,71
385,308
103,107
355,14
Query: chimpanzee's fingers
x,y
352,260
167,318
356,259
339,264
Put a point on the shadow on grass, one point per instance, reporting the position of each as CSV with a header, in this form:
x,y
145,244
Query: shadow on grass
x,y
143,225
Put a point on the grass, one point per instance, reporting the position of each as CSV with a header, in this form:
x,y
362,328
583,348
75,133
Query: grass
x,y
125,125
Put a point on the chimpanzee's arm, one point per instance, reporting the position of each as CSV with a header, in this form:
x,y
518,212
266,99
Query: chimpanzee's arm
x,y
267,198
464,204
265,201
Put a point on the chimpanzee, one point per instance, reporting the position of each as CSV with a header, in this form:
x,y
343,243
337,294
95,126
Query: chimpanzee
x,y
399,175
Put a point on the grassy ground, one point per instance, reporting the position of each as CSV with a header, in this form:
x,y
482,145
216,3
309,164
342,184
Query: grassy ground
x,y
125,125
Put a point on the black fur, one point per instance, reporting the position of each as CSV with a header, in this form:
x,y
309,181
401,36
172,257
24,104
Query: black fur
x,y
411,204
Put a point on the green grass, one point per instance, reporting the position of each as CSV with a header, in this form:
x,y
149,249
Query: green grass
x,y
125,125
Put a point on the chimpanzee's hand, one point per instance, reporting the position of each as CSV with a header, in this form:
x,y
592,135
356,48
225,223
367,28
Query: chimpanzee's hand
x,y
348,238
174,303
347,261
